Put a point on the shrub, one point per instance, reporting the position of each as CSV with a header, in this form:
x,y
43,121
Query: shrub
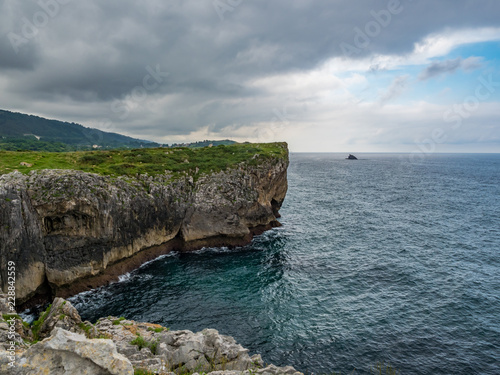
x,y
37,324
117,321
142,343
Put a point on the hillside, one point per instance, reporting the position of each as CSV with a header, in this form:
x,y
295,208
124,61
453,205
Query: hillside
x,y
22,132
27,132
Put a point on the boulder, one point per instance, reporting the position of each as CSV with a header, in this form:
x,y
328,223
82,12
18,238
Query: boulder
x,y
62,314
203,351
67,353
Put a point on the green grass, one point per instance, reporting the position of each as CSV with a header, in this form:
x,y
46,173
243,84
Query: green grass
x,y
37,324
8,317
142,372
153,161
86,328
142,343
117,321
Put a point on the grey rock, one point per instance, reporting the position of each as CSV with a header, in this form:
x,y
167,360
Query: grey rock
x,y
203,351
67,353
63,315
166,352
274,370
184,351
4,307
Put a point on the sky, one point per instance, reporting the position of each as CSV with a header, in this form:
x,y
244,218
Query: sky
x,y
417,76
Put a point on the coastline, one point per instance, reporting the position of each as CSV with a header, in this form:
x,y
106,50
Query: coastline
x,y
123,266
59,342
69,231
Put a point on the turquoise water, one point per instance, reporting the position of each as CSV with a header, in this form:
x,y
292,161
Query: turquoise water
x,y
378,260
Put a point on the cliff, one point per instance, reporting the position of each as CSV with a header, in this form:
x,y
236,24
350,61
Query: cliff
x,y
68,230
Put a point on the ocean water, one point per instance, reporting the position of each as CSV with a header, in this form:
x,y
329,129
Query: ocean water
x,y
378,261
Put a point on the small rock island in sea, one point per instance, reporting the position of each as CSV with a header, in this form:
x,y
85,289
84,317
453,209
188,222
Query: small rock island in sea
x,y
351,157
101,214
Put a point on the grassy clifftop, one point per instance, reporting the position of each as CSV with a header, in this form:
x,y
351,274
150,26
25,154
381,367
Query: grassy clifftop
x,y
153,161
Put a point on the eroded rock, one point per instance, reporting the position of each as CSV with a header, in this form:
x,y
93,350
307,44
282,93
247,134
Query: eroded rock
x,y
184,351
63,315
67,353
124,345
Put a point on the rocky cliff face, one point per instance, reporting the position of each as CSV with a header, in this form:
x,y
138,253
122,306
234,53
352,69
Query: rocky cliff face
x,y
67,229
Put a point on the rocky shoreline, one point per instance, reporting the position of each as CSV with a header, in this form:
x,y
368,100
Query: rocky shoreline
x,y
68,231
61,343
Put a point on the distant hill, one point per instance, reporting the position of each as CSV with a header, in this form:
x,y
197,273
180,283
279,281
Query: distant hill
x,y
20,131
206,143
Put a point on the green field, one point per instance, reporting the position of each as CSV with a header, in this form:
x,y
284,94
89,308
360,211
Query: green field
x,y
153,161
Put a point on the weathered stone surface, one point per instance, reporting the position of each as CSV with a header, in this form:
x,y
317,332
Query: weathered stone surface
x,y
4,307
11,328
162,351
63,315
21,239
274,370
229,203
185,351
64,226
67,353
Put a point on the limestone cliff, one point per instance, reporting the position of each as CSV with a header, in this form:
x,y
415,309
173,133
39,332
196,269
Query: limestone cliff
x,y
67,229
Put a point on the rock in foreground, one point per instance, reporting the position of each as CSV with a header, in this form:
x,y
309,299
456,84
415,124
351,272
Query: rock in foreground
x,y
119,346
67,353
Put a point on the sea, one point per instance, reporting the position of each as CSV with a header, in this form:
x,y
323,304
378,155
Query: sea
x,y
388,260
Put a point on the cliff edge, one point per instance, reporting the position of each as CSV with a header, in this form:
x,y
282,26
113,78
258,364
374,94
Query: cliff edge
x,y
68,230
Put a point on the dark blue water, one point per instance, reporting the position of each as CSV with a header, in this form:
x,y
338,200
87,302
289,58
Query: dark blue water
x,y
378,260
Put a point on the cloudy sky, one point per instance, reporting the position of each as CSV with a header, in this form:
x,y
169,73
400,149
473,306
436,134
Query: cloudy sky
x,y
323,75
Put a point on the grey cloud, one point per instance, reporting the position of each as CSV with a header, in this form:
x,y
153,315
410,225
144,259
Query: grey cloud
x,y
450,66
94,53
16,51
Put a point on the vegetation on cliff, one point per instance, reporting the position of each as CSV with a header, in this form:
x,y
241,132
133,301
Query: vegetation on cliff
x,y
151,161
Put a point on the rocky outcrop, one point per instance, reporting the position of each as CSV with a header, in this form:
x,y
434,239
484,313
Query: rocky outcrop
x,y
66,229
62,315
65,353
120,346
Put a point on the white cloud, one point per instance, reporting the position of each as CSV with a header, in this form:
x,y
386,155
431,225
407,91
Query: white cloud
x,y
433,46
